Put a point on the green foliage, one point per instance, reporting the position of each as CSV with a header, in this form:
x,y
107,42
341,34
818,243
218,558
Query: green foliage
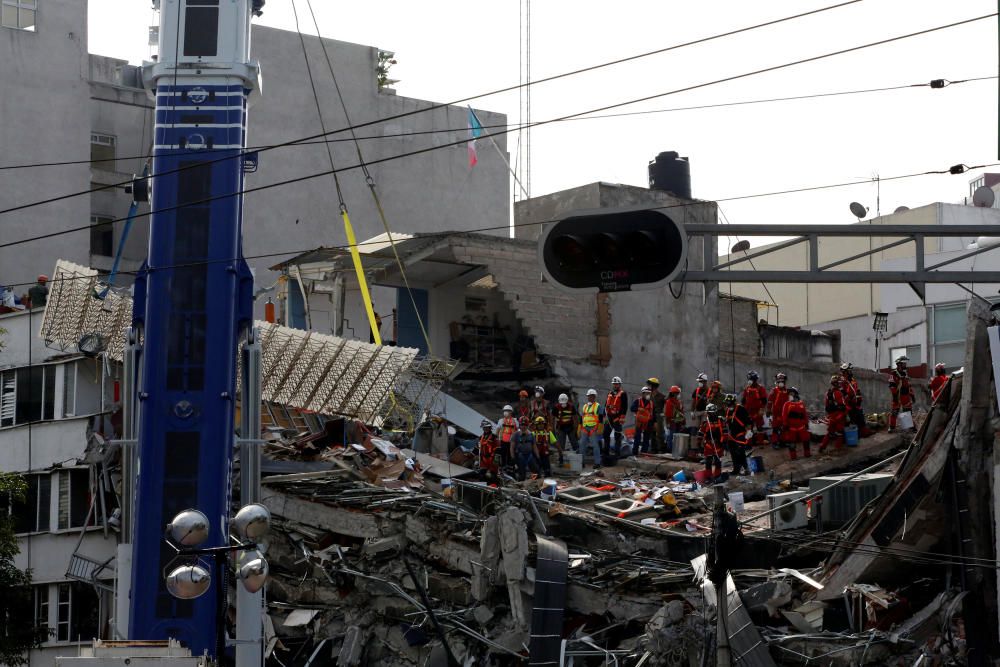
x,y
18,633
386,60
2,332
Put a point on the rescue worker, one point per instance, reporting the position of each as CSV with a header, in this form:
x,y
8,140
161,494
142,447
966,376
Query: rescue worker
x,y
544,439
539,407
673,416
508,427
836,414
775,405
567,420
616,409
938,382
523,450
900,390
659,402
712,440
489,451
38,294
643,409
795,425
754,399
739,425
715,393
699,398
523,405
854,398
591,418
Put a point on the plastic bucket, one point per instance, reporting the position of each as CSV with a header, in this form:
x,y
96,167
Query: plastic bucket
x,y
701,476
904,420
679,476
549,489
851,436
756,464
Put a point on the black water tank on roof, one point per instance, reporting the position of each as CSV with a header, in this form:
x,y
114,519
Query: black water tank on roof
x,y
671,173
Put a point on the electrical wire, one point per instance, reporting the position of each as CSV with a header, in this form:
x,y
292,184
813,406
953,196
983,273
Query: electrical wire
x,y
535,124
446,234
513,127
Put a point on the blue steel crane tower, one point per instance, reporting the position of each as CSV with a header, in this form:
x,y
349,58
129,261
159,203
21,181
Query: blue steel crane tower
x,y
193,302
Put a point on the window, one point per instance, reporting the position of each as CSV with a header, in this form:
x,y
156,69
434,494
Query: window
x,y
31,515
949,335
102,150
27,394
18,14
201,28
102,236
42,607
912,352
74,498
76,612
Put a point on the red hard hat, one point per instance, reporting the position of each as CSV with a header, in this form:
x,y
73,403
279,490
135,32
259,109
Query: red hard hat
x,y
43,279
675,389
523,393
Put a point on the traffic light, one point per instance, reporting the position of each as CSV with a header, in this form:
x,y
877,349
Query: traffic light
x,y
613,250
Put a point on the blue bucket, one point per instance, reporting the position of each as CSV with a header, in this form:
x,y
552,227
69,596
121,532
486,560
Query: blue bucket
x,y
756,464
679,476
851,436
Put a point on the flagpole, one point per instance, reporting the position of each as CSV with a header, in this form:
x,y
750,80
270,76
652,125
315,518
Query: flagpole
x,y
499,152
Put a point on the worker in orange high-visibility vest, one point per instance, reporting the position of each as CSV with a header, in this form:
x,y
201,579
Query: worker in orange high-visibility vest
x,y
900,390
489,452
616,409
643,409
591,418
673,416
713,435
938,382
508,427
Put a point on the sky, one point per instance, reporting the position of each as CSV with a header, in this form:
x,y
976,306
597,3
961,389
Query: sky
x,y
447,50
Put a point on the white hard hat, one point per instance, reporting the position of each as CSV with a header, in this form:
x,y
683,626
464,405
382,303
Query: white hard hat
x,y
507,408
702,377
563,398
616,380
591,392
647,390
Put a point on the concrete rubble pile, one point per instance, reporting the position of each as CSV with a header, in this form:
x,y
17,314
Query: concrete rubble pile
x,y
387,556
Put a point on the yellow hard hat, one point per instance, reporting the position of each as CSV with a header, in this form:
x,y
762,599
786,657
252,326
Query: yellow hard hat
x,y
655,381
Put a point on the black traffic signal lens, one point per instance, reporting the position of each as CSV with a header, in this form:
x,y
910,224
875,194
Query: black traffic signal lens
x,y
571,254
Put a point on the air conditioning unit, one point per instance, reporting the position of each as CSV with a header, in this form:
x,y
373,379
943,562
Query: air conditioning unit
x,y
842,503
792,513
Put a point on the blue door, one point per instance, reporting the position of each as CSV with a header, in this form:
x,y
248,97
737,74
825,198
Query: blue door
x,y
408,326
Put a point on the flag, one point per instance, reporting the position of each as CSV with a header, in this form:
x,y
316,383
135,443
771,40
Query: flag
x,y
475,131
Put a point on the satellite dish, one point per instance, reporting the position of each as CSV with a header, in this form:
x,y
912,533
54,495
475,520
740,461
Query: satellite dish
x,y
858,210
983,197
900,209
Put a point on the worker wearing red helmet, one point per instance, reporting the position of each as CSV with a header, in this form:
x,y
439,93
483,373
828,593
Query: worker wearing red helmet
x,y
38,294
855,400
938,382
523,407
900,390
673,415
775,407
795,425
754,399
836,414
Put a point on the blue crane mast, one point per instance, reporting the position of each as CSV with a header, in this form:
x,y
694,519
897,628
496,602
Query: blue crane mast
x,y
193,302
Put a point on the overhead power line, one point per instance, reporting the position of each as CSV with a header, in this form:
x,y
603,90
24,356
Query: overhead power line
x,y
513,127
505,227
463,100
543,122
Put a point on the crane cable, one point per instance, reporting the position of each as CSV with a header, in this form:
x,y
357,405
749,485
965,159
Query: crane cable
x,y
348,228
369,180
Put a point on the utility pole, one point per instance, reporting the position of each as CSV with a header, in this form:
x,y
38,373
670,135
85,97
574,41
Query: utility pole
x,y
718,573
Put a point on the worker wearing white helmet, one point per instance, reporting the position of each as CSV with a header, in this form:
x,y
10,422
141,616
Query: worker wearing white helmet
x,y
616,408
591,417
507,427
567,420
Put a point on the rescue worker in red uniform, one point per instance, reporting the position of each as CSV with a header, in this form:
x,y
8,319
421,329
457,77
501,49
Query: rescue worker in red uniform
x,y
673,416
539,407
775,407
738,425
715,393
615,410
489,451
699,398
567,419
852,393
645,422
523,405
712,440
795,425
902,393
938,382
836,414
754,399
508,427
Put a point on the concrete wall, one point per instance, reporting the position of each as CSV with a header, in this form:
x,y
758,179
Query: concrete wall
x,y
44,104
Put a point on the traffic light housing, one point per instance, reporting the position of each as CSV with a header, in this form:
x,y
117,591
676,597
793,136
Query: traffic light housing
x,y
613,250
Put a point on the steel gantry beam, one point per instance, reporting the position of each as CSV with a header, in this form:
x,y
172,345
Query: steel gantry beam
x,y
723,269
